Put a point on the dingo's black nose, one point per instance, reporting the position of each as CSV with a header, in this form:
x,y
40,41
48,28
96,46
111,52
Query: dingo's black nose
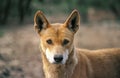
x,y
58,58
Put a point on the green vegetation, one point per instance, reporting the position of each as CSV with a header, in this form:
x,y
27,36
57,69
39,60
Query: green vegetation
x,y
19,9
1,33
66,6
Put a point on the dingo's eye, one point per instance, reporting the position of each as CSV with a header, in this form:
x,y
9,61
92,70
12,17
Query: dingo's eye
x,y
49,41
65,42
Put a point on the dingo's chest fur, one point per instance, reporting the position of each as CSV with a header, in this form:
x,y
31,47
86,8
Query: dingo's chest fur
x,y
60,58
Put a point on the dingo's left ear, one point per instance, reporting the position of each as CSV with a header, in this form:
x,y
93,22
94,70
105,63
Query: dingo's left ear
x,y
40,22
73,21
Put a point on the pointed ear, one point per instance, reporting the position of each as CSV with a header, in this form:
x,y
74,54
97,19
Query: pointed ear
x,y
40,21
73,21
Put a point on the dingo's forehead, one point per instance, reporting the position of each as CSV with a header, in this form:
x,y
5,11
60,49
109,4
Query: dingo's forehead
x,y
57,32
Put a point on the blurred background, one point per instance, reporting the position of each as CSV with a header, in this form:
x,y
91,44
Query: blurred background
x,y
19,43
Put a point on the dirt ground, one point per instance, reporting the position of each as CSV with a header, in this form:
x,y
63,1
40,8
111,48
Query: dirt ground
x,y
21,47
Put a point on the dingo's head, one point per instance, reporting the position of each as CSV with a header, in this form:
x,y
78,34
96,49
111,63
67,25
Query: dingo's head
x,y
56,40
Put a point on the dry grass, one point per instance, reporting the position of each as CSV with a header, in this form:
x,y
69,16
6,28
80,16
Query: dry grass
x,y
97,36
22,44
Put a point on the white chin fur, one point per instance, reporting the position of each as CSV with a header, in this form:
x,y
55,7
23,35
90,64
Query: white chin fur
x,y
65,57
50,56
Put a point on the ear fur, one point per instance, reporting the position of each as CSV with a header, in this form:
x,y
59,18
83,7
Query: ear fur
x,y
40,21
73,21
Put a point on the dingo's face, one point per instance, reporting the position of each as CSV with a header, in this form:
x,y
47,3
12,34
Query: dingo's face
x,y
56,40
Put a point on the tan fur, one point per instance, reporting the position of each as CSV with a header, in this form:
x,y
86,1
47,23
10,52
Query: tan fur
x,y
81,63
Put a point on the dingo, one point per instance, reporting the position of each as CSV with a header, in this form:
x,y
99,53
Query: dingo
x,y
60,58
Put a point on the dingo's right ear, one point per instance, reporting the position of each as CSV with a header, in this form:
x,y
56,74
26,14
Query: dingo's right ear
x,y
40,21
